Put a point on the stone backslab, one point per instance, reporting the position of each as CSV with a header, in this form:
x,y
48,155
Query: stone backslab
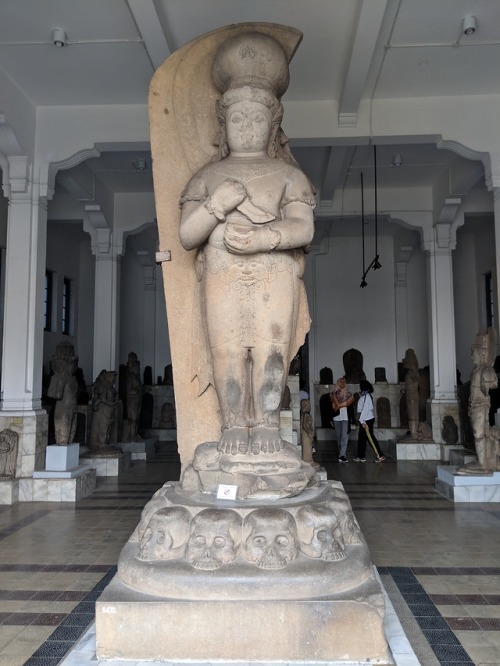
x,y
133,625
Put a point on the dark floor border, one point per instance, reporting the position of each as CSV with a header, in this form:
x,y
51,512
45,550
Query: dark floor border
x,y
60,642
434,627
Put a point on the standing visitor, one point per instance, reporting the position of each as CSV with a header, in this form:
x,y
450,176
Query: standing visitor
x,y
341,399
366,421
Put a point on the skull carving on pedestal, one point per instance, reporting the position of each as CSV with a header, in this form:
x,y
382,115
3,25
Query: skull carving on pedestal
x,y
270,538
319,533
166,535
214,538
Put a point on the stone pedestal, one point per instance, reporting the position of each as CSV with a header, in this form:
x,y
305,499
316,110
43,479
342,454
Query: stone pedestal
x,y
9,491
418,450
62,458
460,488
109,465
319,600
144,450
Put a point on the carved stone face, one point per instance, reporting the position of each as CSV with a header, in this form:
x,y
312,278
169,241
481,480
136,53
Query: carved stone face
x,y
270,538
349,528
248,127
166,535
319,533
214,538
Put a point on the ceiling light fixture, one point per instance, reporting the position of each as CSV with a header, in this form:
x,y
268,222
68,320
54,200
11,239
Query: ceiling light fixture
x,y
469,24
59,37
397,160
140,165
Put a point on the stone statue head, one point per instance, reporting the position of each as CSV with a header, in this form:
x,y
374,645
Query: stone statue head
x,y
166,535
305,406
410,361
319,533
270,538
214,538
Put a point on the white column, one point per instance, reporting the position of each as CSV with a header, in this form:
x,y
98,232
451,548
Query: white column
x,y
443,399
496,210
24,288
107,254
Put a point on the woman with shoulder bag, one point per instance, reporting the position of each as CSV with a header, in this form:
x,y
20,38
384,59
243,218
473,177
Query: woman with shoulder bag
x,y
341,399
366,421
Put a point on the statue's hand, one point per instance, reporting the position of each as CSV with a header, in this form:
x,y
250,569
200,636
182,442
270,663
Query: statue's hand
x,y
226,197
250,240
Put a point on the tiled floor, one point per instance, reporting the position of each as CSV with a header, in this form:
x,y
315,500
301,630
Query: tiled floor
x,y
439,562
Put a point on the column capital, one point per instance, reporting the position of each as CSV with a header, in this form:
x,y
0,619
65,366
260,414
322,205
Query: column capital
x,y
492,171
439,239
105,244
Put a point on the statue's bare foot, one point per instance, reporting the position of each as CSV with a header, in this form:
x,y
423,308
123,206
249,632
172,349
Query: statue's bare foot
x,y
265,440
234,440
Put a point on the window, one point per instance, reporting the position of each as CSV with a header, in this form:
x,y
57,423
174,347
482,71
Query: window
x,y
48,300
66,307
490,313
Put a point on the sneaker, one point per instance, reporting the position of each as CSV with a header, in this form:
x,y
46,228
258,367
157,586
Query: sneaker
x,y
381,459
343,459
359,459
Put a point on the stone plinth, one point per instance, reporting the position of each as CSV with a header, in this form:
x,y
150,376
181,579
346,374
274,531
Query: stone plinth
x,y
109,465
459,456
462,488
62,458
9,491
58,487
418,451
144,450
137,626
310,598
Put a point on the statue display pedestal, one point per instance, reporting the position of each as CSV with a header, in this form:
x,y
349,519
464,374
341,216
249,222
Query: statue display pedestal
x,y
309,608
141,450
465,488
62,458
9,491
417,450
109,465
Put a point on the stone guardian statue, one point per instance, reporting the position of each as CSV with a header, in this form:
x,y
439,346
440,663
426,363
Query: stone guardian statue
x,y
64,389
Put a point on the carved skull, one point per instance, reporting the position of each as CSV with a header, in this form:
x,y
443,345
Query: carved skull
x,y
214,538
349,527
319,533
166,535
270,538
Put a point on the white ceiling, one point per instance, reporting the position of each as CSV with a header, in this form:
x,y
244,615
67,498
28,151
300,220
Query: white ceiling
x,y
352,50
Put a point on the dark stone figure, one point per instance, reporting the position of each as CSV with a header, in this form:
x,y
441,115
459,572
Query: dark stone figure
x,y
380,376
286,401
463,400
403,412
146,415
449,431
353,366
326,376
104,402
168,376
326,410
424,392
383,413
148,376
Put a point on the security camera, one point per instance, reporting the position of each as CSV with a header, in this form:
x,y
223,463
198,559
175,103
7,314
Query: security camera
x,y
59,37
469,24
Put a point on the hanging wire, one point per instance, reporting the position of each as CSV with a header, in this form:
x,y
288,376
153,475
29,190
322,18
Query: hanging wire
x,y
376,263
363,281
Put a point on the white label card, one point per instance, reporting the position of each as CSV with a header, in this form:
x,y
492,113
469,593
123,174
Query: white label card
x,y
227,492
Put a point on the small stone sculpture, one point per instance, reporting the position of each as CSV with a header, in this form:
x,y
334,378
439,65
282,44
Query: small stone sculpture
x,y
326,375
483,378
9,442
134,396
449,431
380,376
64,389
383,413
104,402
167,415
412,379
319,533
353,366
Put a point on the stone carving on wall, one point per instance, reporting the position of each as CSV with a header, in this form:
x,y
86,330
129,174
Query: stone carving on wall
x,y
483,378
64,389
383,413
104,403
9,442
133,388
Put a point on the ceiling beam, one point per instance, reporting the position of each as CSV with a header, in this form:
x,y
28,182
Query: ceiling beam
x,y
148,23
363,47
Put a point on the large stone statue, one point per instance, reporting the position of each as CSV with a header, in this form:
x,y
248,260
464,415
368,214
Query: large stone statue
x,y
248,523
104,402
64,389
483,378
133,388
250,215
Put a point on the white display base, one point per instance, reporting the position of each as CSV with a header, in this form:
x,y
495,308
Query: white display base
x,y
9,491
110,466
418,451
142,450
61,458
57,488
459,488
